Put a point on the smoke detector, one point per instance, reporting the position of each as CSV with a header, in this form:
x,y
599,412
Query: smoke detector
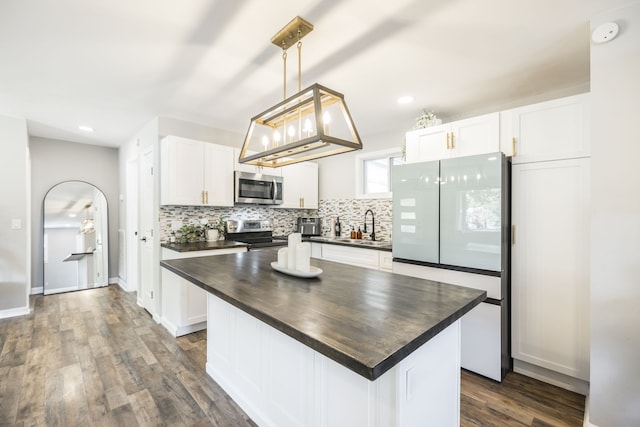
x,y
605,32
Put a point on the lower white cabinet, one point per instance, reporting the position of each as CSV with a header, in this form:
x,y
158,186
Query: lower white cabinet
x,y
484,330
278,381
359,257
184,305
550,267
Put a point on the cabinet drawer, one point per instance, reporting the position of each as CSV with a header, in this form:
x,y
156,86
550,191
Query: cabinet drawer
x,y
355,256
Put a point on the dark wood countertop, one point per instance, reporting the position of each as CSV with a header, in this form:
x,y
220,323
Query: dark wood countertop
x,y
366,320
203,246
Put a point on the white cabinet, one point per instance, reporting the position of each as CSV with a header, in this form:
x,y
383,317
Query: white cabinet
x,y
553,130
279,381
550,265
477,135
300,186
184,305
195,173
359,257
484,337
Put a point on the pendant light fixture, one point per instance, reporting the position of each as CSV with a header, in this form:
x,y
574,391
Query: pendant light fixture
x,y
311,124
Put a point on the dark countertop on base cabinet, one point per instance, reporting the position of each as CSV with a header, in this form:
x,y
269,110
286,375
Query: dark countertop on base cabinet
x,y
364,319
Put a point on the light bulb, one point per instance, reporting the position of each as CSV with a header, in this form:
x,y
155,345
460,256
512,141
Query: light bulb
x,y
326,119
292,133
307,127
265,142
276,137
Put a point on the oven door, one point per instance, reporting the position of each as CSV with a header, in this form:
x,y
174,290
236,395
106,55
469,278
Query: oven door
x,y
258,188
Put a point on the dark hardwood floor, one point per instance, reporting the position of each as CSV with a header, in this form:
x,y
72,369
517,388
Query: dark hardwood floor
x,y
95,358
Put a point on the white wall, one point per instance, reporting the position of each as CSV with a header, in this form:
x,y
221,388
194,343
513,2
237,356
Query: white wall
x,y
14,205
615,233
147,136
337,175
54,161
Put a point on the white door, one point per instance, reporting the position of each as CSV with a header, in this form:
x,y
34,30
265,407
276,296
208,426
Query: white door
x,y
550,265
132,225
148,281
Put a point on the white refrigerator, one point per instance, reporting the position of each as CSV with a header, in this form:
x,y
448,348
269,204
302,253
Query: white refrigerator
x,y
451,223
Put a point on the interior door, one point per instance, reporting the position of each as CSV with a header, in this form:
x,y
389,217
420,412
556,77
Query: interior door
x,y
133,247
148,280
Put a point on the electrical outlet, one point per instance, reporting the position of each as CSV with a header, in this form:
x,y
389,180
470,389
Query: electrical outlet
x,y
16,224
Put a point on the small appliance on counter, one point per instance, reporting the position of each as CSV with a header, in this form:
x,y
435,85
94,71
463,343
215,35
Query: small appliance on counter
x,y
257,233
309,226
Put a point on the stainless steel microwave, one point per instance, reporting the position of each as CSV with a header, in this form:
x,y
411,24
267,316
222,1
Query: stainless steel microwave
x,y
258,188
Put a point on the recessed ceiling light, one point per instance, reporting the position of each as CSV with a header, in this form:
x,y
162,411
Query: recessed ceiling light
x,y
72,215
405,99
85,128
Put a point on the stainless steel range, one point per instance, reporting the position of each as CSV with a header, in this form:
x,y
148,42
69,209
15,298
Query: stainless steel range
x,y
257,233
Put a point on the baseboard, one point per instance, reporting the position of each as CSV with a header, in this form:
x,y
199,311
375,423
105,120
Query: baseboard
x,y
113,280
121,283
37,290
14,312
551,377
586,422
67,289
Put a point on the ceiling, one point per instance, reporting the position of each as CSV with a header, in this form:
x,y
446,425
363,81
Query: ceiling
x,y
114,65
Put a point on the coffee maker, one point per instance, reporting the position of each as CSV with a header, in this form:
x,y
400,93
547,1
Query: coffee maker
x,y
309,226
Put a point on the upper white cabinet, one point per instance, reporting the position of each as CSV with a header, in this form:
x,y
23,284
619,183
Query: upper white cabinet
x,y
300,186
195,173
477,135
553,130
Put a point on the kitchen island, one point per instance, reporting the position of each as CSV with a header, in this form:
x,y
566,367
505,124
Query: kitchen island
x,y
351,347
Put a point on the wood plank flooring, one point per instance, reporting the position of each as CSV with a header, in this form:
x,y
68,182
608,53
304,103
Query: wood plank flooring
x,y
95,358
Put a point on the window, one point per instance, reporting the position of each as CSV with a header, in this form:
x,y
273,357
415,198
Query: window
x,y
374,173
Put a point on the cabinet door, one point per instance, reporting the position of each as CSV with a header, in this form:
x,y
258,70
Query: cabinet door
x,y
471,211
552,130
550,265
181,171
477,135
433,143
218,175
300,186
415,211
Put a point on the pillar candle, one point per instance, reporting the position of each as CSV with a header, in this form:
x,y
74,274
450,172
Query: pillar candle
x,y
294,239
283,257
303,257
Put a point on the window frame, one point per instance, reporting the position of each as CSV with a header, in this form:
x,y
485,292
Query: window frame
x,y
387,154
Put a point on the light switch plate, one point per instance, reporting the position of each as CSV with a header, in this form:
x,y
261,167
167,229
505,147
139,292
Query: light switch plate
x,y
16,224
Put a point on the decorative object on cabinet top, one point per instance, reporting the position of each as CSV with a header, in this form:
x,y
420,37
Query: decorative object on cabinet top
x,y
426,119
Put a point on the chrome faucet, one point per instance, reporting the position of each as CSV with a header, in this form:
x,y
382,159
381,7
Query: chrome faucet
x,y
373,224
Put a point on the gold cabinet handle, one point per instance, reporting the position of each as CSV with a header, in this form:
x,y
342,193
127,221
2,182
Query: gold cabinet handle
x,y
513,234
202,196
448,147
207,196
513,146
452,144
